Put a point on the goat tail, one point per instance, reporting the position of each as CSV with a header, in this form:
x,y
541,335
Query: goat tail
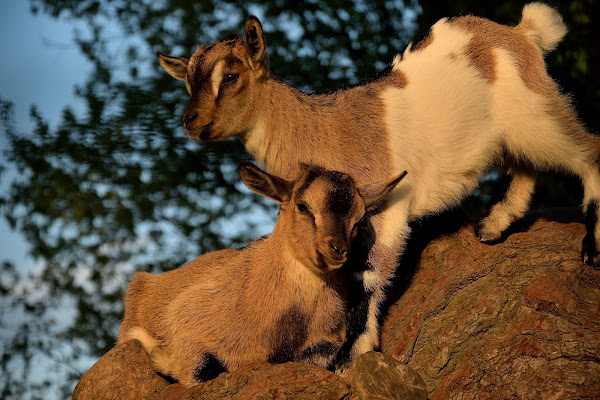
x,y
148,341
543,25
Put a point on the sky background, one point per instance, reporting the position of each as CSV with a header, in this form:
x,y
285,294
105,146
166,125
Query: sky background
x,y
40,66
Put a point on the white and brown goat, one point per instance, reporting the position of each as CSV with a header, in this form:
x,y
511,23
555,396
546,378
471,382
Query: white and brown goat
x,y
282,298
471,95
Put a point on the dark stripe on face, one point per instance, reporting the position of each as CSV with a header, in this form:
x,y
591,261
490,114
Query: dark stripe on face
x,y
313,173
231,61
357,311
201,80
341,196
341,189
209,369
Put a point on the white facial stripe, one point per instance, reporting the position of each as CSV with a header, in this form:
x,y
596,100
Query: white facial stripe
x,y
217,76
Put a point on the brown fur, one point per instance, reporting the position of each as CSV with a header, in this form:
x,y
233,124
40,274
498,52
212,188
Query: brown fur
x,y
316,123
488,35
272,300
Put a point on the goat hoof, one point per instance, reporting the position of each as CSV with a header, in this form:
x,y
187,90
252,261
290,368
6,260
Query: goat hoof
x,y
338,367
593,260
489,236
341,370
589,253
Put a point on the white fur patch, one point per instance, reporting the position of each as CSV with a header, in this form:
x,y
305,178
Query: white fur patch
x,y
370,339
513,206
549,26
255,141
139,333
395,222
371,279
440,124
527,128
216,77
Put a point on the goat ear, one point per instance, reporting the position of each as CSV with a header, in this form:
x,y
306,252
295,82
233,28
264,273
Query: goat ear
x,y
374,192
265,184
255,44
175,66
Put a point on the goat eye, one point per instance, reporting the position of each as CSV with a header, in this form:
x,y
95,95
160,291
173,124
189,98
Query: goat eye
x,y
230,78
302,208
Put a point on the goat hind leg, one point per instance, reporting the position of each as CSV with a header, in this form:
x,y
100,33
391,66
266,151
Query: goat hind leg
x,y
590,245
511,207
188,364
162,362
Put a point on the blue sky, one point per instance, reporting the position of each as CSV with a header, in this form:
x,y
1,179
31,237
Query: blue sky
x,y
40,65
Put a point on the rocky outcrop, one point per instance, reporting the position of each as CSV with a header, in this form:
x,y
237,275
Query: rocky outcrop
x,y
264,381
377,376
125,373
518,319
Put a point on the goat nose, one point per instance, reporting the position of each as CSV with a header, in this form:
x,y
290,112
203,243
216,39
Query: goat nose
x,y
338,248
189,117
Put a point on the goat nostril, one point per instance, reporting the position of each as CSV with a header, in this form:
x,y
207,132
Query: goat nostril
x,y
338,250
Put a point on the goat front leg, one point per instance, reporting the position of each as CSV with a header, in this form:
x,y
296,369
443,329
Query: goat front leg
x,y
367,294
357,318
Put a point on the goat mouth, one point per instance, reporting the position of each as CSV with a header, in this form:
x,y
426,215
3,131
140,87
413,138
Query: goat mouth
x,y
327,263
200,132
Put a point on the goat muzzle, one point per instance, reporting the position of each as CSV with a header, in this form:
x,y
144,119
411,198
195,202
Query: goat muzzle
x,y
193,124
335,252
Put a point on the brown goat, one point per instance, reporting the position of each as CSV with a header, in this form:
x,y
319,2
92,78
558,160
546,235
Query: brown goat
x,y
282,298
472,95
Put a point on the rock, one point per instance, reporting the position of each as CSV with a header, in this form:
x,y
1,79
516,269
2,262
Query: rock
x,y
264,381
378,376
123,373
518,319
